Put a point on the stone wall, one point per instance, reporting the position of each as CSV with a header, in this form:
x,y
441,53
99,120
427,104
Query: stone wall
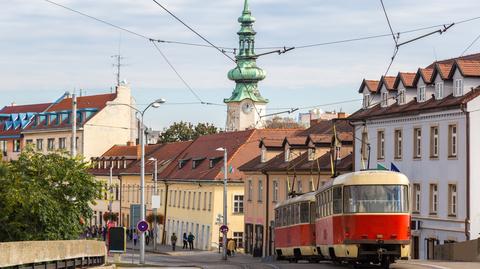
x,y
17,253
468,251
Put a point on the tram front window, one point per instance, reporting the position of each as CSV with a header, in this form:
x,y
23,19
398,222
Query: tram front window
x,y
375,199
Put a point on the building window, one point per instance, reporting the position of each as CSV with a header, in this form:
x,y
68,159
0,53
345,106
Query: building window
x,y
380,145
205,201
16,145
311,154
401,96
364,149
199,200
439,90
260,190
189,200
384,98
417,143
62,143
51,144
275,191
3,147
398,144
452,200
174,198
433,199
238,204
193,200
250,190
434,142
39,144
184,198
421,94
366,100
458,87
238,237
452,140
310,185
210,201
29,141
416,198
299,186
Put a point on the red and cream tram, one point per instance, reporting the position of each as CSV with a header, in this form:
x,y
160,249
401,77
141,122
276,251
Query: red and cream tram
x,y
361,218
295,228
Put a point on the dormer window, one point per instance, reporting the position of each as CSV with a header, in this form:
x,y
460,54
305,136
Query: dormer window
x,y
458,87
439,90
401,97
421,94
287,154
263,156
311,154
124,164
384,98
366,100
181,163
99,164
196,162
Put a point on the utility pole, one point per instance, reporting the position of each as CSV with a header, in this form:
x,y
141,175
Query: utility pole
x,y
74,125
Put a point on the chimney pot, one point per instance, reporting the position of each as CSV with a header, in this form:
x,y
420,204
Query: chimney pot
x,y
341,115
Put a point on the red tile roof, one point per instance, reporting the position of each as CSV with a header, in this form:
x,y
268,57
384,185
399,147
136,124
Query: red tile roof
x,y
372,85
388,81
414,107
450,61
35,108
407,79
468,68
90,101
443,69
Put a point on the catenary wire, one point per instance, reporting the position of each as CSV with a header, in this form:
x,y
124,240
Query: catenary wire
x,y
471,44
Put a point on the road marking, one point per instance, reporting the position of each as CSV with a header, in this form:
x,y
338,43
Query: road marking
x,y
273,266
431,265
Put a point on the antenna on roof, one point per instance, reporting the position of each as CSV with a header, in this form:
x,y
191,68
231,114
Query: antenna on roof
x,y
118,57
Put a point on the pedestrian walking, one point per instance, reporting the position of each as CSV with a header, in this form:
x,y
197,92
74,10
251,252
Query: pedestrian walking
x,y
231,246
185,241
147,238
135,239
190,239
173,239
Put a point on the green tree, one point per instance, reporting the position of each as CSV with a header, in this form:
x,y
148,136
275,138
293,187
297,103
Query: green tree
x,y
184,131
45,197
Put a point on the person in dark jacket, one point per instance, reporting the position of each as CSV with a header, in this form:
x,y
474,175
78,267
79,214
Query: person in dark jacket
x,y
190,240
185,241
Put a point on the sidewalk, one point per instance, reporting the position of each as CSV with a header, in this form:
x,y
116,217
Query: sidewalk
x,y
442,264
165,249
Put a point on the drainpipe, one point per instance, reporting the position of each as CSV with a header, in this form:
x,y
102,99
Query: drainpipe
x,y
266,235
467,219
164,233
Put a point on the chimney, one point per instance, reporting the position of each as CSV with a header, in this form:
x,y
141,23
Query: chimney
x,y
139,152
130,143
341,115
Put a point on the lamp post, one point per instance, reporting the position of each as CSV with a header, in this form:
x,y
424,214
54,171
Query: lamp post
x,y
225,175
155,209
155,104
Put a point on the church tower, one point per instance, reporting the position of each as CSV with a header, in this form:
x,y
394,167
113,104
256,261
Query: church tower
x,y
246,106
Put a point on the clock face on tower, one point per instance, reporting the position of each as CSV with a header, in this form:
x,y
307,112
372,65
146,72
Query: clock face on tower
x,y
247,108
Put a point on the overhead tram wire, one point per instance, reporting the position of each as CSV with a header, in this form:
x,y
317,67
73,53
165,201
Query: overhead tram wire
x,y
470,45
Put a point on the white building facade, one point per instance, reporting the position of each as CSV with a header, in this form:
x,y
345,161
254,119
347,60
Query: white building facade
x,y
431,136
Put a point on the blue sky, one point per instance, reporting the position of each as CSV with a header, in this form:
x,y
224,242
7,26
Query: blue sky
x,y
46,50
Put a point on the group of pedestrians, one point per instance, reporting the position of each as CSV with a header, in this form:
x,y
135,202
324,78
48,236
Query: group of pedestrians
x,y
95,231
187,241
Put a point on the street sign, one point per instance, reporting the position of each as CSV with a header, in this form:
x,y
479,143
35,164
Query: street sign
x,y
224,229
155,201
135,214
142,226
117,240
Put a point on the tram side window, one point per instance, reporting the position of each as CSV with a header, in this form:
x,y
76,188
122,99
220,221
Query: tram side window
x,y
296,214
337,200
312,212
277,217
291,215
304,212
284,216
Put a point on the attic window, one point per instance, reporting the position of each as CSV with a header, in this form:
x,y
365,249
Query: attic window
x,y
366,100
311,154
384,99
214,161
124,164
287,154
182,163
401,97
264,154
196,162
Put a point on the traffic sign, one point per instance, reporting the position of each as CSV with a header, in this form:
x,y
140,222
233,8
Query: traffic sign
x,y
142,226
224,229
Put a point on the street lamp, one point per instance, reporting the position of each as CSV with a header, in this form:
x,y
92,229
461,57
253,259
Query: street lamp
x,y
154,104
225,171
155,209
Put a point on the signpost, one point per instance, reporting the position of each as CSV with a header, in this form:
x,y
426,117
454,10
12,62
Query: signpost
x,y
224,229
142,226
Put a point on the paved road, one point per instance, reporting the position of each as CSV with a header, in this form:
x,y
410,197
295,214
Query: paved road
x,y
212,260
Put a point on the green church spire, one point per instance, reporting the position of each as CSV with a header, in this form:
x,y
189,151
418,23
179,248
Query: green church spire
x,y
246,75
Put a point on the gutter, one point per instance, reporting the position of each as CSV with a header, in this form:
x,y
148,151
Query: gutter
x,y
467,219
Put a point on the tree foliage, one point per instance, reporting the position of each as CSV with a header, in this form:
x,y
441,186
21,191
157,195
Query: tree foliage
x,y
185,131
45,197
282,123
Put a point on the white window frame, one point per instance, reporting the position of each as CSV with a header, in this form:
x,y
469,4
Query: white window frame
x,y
435,142
417,143
398,152
417,196
263,155
401,96
380,144
366,100
275,191
433,199
452,200
238,205
453,140
458,87
384,98
421,93
439,90
260,190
